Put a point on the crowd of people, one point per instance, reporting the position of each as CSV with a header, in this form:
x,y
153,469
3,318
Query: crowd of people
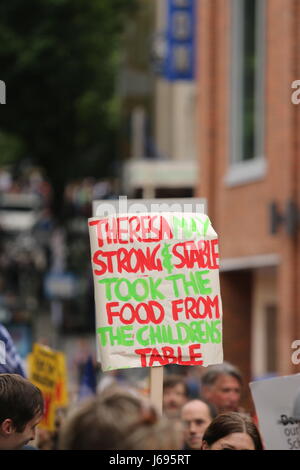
x,y
119,415
28,181
120,419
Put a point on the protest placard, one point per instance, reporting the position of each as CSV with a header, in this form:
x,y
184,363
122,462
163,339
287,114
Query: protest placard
x,y
61,389
274,403
157,293
43,373
47,370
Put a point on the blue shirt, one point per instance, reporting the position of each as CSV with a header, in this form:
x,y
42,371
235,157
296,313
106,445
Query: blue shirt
x,y
10,361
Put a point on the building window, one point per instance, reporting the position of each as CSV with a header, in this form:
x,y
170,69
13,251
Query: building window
x,y
264,320
248,80
247,97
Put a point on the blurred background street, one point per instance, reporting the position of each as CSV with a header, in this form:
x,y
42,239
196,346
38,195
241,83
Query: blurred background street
x,y
150,99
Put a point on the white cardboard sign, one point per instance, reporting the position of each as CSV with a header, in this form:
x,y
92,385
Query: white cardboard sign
x,y
157,293
274,402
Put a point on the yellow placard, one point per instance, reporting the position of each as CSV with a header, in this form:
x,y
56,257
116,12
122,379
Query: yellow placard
x,y
44,368
47,370
61,396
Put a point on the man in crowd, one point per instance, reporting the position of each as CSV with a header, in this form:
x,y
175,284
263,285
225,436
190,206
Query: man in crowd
x,y
196,416
21,410
174,395
221,385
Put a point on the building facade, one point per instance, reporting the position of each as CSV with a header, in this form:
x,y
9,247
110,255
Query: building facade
x,y
248,140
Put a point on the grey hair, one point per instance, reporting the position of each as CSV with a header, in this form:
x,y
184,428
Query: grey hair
x,y
213,372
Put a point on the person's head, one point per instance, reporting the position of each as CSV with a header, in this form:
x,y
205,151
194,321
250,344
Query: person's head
x,y
232,431
196,415
21,409
117,419
174,395
221,385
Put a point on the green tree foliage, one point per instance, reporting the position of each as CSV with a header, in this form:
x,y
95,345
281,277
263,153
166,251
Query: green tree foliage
x,y
58,59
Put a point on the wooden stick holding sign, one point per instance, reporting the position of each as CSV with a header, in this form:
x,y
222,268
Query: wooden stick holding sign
x,y
156,387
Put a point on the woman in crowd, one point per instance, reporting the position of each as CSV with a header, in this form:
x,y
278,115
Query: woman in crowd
x,y
232,431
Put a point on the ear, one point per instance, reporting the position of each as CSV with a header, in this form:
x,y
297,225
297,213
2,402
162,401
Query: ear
x,y
204,446
7,427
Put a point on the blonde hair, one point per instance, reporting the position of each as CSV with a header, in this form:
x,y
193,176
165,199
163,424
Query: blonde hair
x,y
117,420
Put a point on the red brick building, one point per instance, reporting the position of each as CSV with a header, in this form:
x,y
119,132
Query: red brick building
x,y
249,151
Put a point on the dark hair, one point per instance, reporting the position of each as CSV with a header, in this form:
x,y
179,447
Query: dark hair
x,y
20,400
117,419
212,373
229,423
170,381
